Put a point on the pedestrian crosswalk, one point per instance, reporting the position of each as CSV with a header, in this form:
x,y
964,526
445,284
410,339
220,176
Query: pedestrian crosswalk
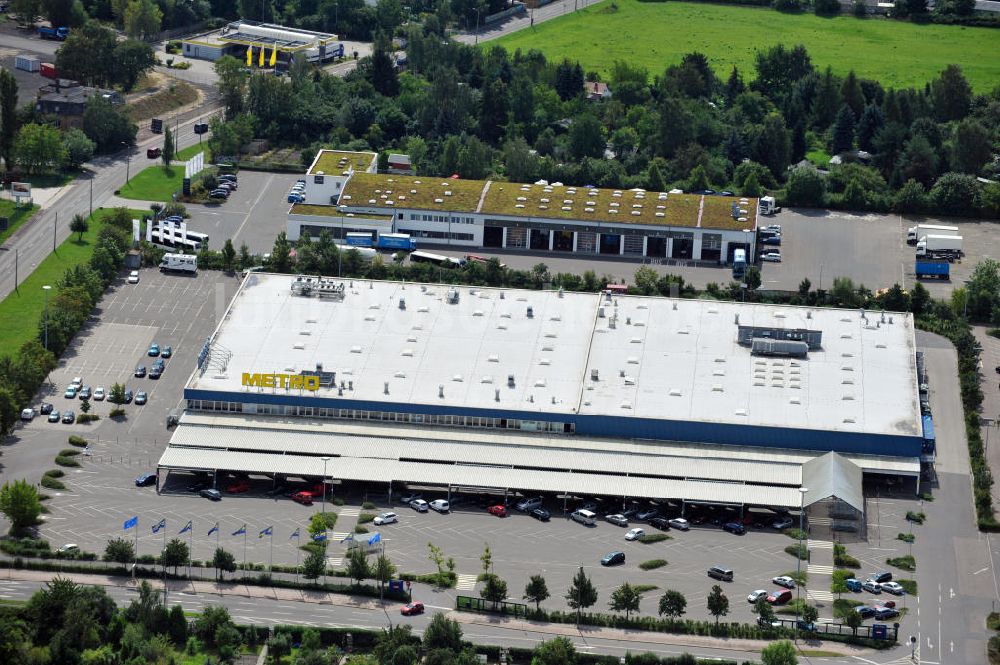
x,y
466,582
338,536
816,594
347,511
820,545
334,561
815,569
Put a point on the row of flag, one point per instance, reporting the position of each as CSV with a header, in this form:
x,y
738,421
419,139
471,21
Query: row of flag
x,y
133,523
260,60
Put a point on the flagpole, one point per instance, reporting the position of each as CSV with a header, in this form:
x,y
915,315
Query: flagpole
x,y
244,549
270,551
298,555
190,548
163,559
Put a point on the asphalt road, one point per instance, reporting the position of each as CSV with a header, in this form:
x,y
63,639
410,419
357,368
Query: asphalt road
x,y
528,19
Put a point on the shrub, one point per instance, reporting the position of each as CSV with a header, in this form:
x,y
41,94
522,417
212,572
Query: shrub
x,y
909,586
69,452
798,551
993,621
66,461
800,576
843,605
365,518
649,538
842,559
51,483
915,517
77,441
55,473
644,588
117,413
906,562
337,501
653,564
906,537
87,417
360,529
368,505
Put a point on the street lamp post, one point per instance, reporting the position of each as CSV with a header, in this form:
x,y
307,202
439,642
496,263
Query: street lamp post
x,y
46,288
128,160
325,460
798,558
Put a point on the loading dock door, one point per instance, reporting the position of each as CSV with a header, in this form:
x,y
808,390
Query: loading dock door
x,y
493,236
611,243
656,247
683,247
563,241
539,239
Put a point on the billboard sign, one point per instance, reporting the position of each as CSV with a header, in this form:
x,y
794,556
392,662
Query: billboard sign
x,y
20,190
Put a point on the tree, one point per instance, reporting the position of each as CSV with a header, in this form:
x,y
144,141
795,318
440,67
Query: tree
x,y
773,146
558,651
956,194
78,148
176,554
357,565
39,148
107,125
810,614
536,591
278,646
168,147
872,120
718,603
314,565
486,558
751,187
625,599
972,146
764,611
586,137
8,115
673,604
569,80
443,633
911,197
494,590
581,594
119,550
919,160
951,95
228,255
142,19
805,187
132,59
383,570
852,619
79,225
281,255
19,502
752,278
843,131
382,68
87,55
826,7
27,11
9,410
232,85
223,562
779,653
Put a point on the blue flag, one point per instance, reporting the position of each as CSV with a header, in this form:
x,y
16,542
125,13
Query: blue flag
x,y
129,523
319,537
295,534
376,537
265,532
161,525
214,529
348,537
187,528
241,531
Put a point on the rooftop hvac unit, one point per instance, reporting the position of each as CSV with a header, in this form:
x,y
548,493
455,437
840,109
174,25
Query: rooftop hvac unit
x,y
778,347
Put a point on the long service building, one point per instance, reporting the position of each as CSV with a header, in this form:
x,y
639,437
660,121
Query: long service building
x,y
572,393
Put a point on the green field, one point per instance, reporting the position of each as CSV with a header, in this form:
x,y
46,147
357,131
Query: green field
x,y
15,216
655,35
156,183
21,310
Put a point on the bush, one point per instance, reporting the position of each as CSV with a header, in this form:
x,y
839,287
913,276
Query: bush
x,y
51,483
337,501
906,562
909,586
993,621
915,517
365,518
87,417
649,538
117,413
34,547
842,559
798,551
653,564
906,537
54,473
69,452
796,534
77,441
66,461
368,505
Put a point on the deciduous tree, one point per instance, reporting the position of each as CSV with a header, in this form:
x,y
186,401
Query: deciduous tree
x,y
19,502
625,599
672,604
536,591
581,594
718,603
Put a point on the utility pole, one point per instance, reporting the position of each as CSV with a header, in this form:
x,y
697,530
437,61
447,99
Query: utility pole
x,y
55,224
46,288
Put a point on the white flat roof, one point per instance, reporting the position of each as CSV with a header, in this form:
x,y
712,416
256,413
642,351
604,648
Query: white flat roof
x,y
672,359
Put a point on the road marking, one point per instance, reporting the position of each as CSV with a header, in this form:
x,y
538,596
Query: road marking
x,y
338,536
350,512
334,561
466,582
819,544
819,570
819,595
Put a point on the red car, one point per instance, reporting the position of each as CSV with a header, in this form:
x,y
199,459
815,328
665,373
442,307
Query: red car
x,y
884,603
498,510
239,487
153,153
779,596
305,498
411,608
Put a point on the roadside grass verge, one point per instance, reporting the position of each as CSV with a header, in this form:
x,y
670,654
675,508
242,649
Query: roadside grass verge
x,y
158,183
15,216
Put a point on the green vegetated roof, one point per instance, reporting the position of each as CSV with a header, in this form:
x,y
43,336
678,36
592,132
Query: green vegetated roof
x,y
417,193
717,213
329,211
335,162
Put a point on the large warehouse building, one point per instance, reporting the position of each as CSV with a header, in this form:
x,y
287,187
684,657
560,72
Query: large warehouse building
x,y
575,393
344,194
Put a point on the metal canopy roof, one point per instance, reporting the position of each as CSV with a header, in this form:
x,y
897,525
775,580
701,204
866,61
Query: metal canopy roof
x,y
833,475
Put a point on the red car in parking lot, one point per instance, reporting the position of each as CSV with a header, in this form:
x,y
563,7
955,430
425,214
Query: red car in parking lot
x,y
411,608
305,498
498,510
239,487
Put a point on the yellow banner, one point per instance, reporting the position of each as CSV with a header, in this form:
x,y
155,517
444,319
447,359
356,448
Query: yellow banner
x,y
274,56
260,63
286,381
250,56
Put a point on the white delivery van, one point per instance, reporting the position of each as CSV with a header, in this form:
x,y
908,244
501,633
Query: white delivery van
x,y
585,517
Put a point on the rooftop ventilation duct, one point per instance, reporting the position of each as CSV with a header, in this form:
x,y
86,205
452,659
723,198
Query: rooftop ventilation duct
x,y
778,347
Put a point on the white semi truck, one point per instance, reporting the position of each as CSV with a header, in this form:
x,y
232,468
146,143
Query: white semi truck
x,y
914,233
939,246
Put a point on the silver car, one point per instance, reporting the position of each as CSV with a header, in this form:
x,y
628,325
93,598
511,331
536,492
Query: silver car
x,y
419,505
619,520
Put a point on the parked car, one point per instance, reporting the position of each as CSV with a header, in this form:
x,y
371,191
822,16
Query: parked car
x,y
806,626
779,596
530,504
45,408
28,414
219,194
212,494
871,586
785,581
70,392
617,519
648,514
756,595
128,396
294,197
241,486
154,350
166,352
734,528
198,486
419,505
145,480
771,240
865,611
85,393
782,523
882,576
69,548
680,523
140,371
893,587
878,602
226,177
68,417
153,153
385,518
410,498
853,584
540,514
99,394
771,257
133,277
141,397
613,559
883,613
440,505
498,510
155,372
661,523
305,498
226,184
771,228
411,608
635,534
54,417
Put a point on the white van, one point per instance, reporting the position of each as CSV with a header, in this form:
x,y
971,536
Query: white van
x,y
584,517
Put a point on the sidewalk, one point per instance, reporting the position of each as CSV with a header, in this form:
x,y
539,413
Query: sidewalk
x,y
990,358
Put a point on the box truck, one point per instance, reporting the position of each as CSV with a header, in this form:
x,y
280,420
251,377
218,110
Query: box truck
x,y
939,246
914,233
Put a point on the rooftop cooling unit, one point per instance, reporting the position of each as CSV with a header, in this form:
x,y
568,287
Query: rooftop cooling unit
x,y
778,347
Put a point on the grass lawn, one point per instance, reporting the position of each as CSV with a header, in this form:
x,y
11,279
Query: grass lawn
x,y
17,216
156,183
656,35
21,310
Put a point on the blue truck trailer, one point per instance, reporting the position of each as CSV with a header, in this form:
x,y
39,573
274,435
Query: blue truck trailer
x,y
932,269
59,34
